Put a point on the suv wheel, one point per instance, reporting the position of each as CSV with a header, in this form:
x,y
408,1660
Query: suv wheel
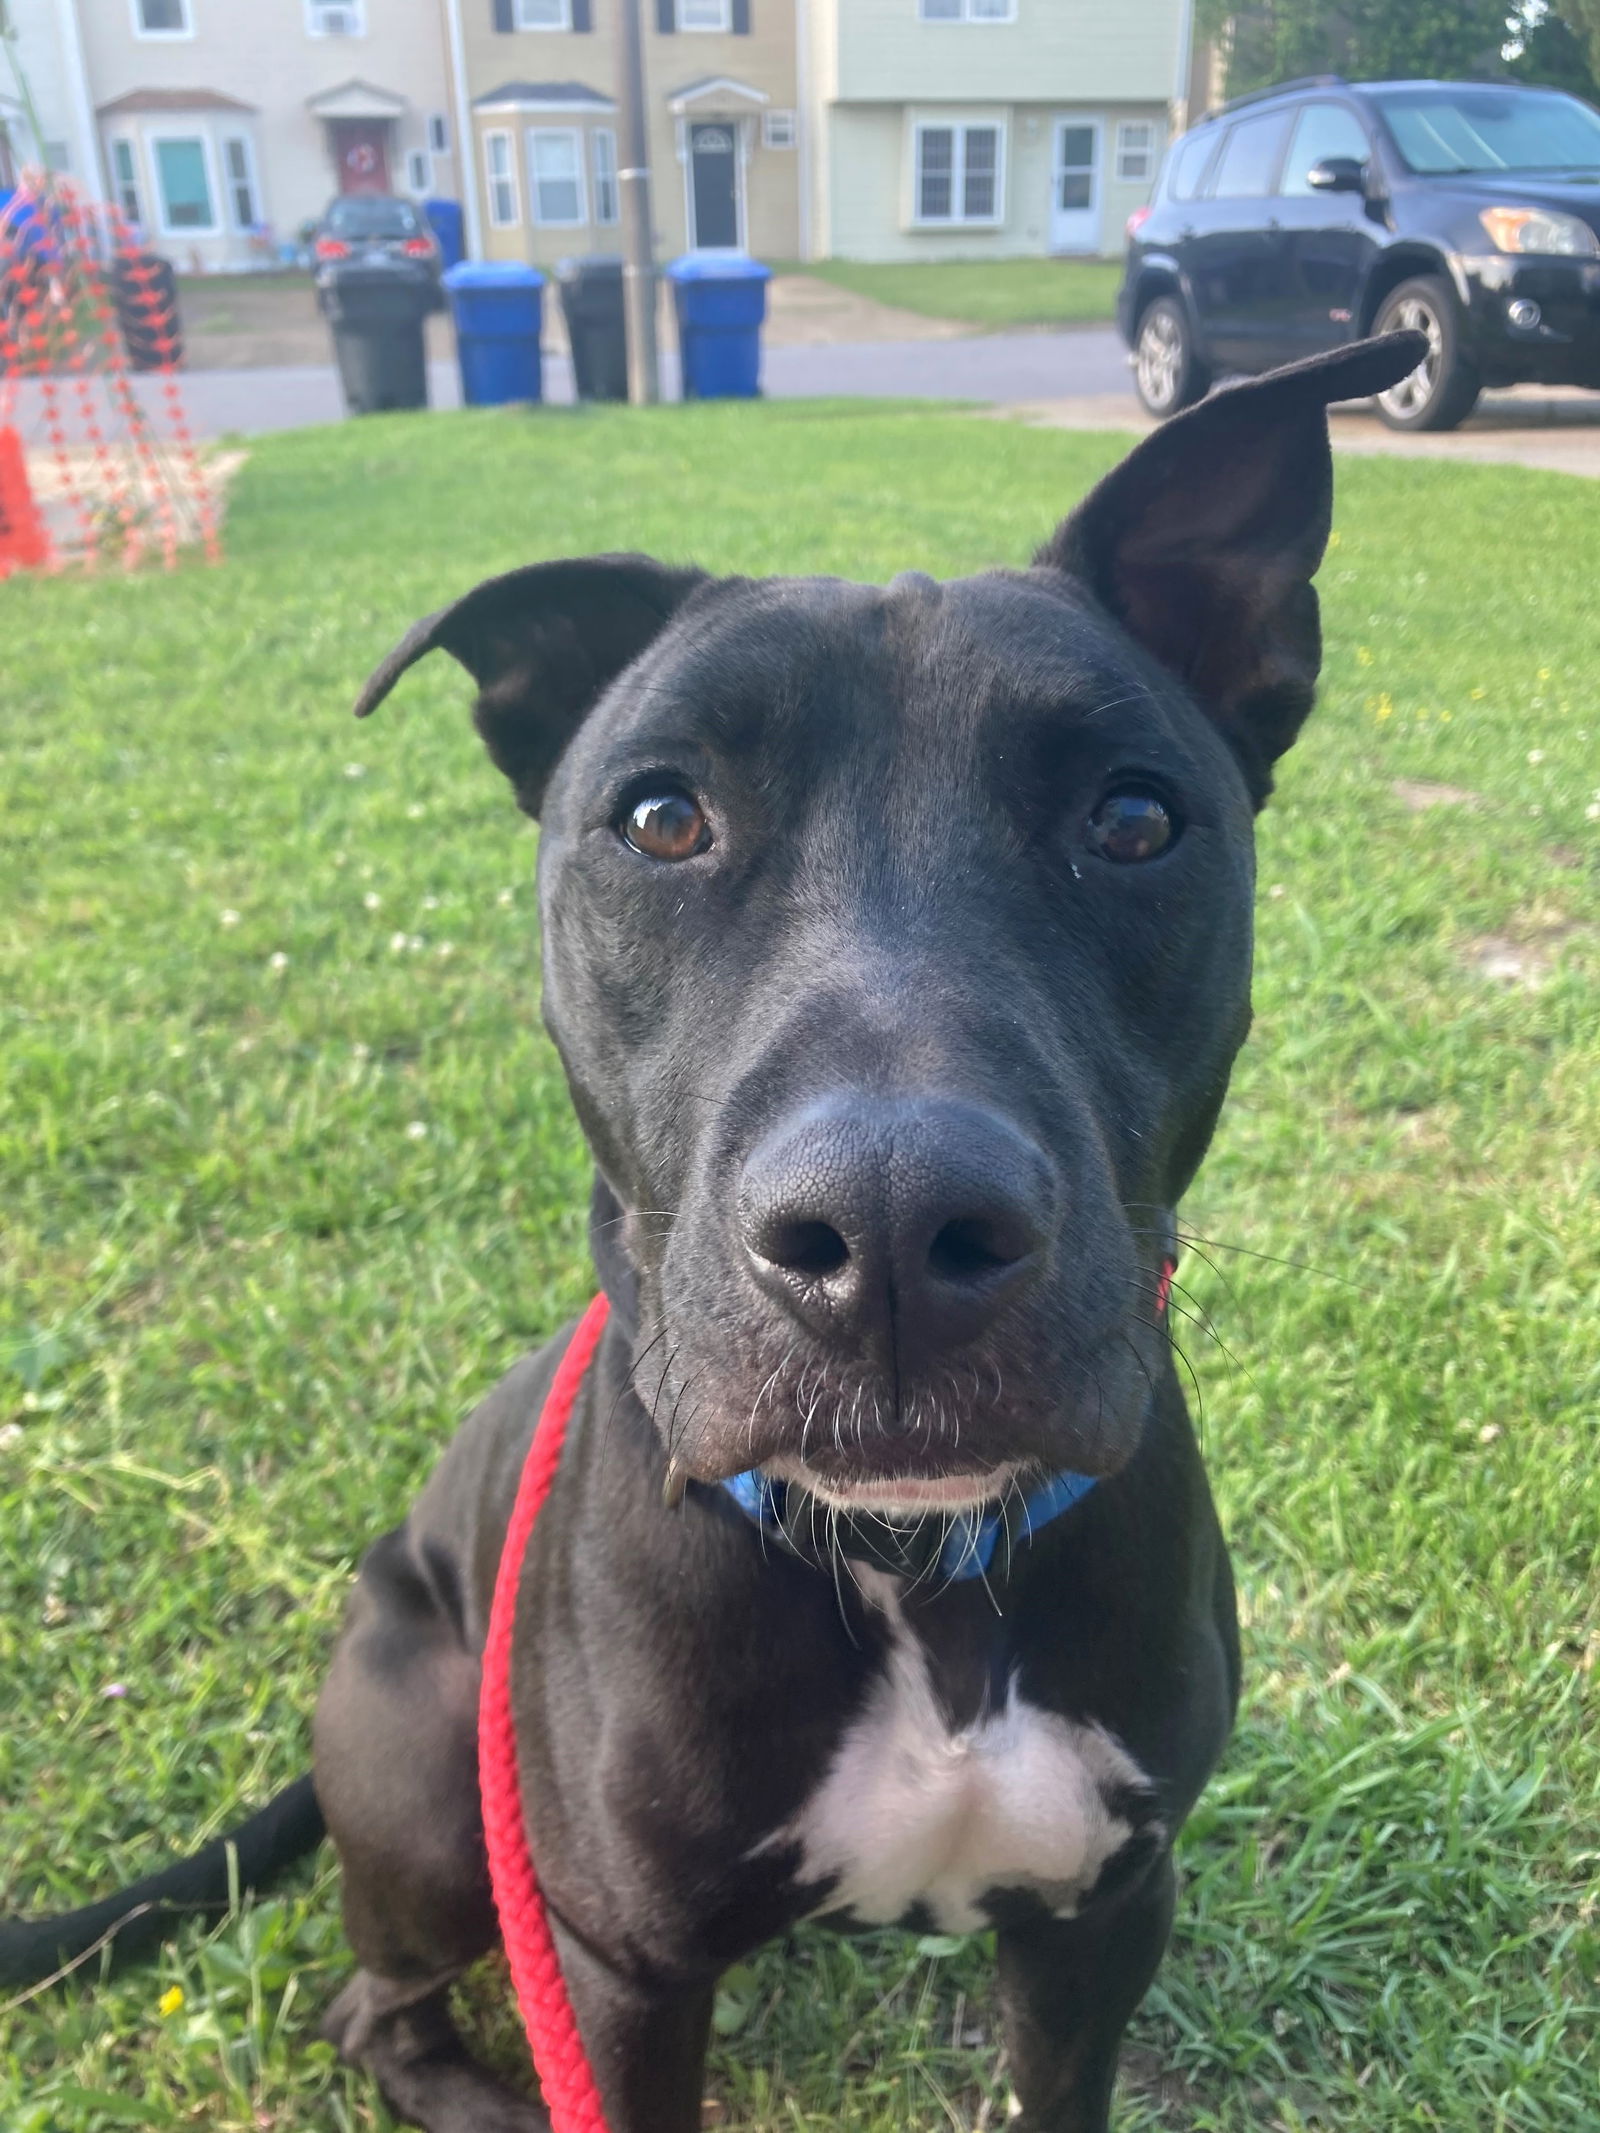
x,y
1167,372
1443,389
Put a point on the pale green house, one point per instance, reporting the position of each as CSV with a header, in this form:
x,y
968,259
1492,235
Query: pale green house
x,y
981,129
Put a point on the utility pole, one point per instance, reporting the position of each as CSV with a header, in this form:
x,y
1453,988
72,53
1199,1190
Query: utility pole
x,y
638,248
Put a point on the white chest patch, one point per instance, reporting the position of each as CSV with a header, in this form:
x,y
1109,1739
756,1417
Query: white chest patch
x,y
913,1813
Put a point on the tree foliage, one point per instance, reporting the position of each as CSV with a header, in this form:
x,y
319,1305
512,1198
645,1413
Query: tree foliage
x,y
1268,41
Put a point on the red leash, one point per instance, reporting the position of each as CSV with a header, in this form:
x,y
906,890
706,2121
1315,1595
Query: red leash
x,y
564,2072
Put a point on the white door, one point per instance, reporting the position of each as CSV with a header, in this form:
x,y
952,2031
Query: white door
x,y
1075,186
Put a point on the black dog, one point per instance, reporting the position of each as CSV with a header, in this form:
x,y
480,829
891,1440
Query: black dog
x,y
897,949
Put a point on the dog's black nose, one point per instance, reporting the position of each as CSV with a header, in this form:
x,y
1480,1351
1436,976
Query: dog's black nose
x,y
900,1226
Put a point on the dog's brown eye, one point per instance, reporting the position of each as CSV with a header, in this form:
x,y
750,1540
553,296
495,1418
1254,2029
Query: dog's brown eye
x,y
1130,826
667,825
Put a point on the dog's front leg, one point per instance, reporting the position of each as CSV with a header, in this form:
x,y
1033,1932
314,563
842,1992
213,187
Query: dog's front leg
x,y
1067,1989
646,2043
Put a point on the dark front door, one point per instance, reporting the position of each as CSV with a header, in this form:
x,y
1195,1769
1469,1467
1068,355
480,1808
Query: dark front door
x,y
361,152
714,186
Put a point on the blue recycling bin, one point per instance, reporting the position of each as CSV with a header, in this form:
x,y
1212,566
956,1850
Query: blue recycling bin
x,y
498,308
720,299
448,225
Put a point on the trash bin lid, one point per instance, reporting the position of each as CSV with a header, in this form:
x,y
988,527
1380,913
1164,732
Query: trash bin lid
x,y
717,266
493,274
590,266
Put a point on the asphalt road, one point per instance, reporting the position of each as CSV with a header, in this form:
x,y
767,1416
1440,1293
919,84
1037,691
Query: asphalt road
x,y
1003,368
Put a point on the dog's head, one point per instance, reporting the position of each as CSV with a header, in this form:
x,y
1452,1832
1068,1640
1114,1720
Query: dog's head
x,y
897,946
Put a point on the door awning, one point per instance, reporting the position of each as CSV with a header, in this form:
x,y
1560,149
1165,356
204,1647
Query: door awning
x,y
357,100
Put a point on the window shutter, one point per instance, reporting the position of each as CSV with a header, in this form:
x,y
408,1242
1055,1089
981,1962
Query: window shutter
x,y
582,16
741,18
666,16
502,15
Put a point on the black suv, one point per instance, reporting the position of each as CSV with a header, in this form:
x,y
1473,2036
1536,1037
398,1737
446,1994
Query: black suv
x,y
1323,210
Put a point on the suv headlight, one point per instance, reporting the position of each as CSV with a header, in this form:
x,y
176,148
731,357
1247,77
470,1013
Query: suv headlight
x,y
1539,229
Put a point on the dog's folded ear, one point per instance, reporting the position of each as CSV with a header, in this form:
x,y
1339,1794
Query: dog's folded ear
x,y
543,644
1204,541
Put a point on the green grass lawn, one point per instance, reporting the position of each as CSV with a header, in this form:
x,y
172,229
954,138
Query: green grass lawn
x,y
987,292
288,1179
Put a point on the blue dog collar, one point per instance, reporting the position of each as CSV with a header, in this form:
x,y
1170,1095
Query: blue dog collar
x,y
971,1542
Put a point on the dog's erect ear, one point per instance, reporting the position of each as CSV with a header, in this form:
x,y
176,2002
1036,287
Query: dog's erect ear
x,y
1204,542
542,644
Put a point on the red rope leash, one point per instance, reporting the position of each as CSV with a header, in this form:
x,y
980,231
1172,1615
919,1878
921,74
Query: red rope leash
x,y
569,2087
564,2072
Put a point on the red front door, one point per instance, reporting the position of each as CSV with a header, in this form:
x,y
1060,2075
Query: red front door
x,y
361,151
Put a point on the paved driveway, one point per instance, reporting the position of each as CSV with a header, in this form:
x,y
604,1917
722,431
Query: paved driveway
x,y
1076,379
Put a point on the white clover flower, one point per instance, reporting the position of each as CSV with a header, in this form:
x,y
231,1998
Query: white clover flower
x,y
1535,755
372,900
416,811
397,941
430,903
505,896
277,960
449,947
417,1130
355,770
230,918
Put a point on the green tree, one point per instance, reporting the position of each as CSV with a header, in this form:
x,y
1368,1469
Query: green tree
x,y
1560,45
1365,40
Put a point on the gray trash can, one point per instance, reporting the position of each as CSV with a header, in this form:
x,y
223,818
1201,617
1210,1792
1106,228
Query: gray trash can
x,y
376,312
591,304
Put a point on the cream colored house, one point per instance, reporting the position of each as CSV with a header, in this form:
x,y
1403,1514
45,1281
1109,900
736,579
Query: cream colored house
x,y
224,125
981,129
721,98
44,40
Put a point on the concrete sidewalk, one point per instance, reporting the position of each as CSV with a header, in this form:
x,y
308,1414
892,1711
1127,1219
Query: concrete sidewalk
x,y
1555,429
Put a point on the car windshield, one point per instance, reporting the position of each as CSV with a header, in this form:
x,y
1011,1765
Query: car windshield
x,y
1443,130
371,217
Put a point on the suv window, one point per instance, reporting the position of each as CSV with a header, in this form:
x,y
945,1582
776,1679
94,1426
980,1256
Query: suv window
x,y
1323,130
1186,166
1250,157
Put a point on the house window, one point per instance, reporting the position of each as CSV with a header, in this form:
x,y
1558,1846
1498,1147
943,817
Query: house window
x,y
959,174
162,18
500,165
555,166
968,10
184,184
236,162
125,181
777,129
607,200
705,15
439,134
1136,149
544,14
419,171
336,18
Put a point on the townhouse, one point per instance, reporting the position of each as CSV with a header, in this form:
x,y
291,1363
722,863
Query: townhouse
x,y
721,112
794,129
972,129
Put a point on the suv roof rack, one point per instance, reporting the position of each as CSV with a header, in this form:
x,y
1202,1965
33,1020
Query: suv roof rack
x,y
1281,88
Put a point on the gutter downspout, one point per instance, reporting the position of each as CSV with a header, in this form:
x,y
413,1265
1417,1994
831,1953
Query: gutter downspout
x,y
466,137
78,89
802,88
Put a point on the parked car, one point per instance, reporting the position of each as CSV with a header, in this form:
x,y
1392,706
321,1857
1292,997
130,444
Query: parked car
x,y
375,230
1323,210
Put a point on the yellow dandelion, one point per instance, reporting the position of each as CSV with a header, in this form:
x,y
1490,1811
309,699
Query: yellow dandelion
x,y
1478,695
1544,673
1385,707
171,2000
1333,540
1364,655
1444,718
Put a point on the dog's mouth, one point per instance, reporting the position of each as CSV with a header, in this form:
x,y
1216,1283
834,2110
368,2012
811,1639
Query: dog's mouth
x,y
895,1496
